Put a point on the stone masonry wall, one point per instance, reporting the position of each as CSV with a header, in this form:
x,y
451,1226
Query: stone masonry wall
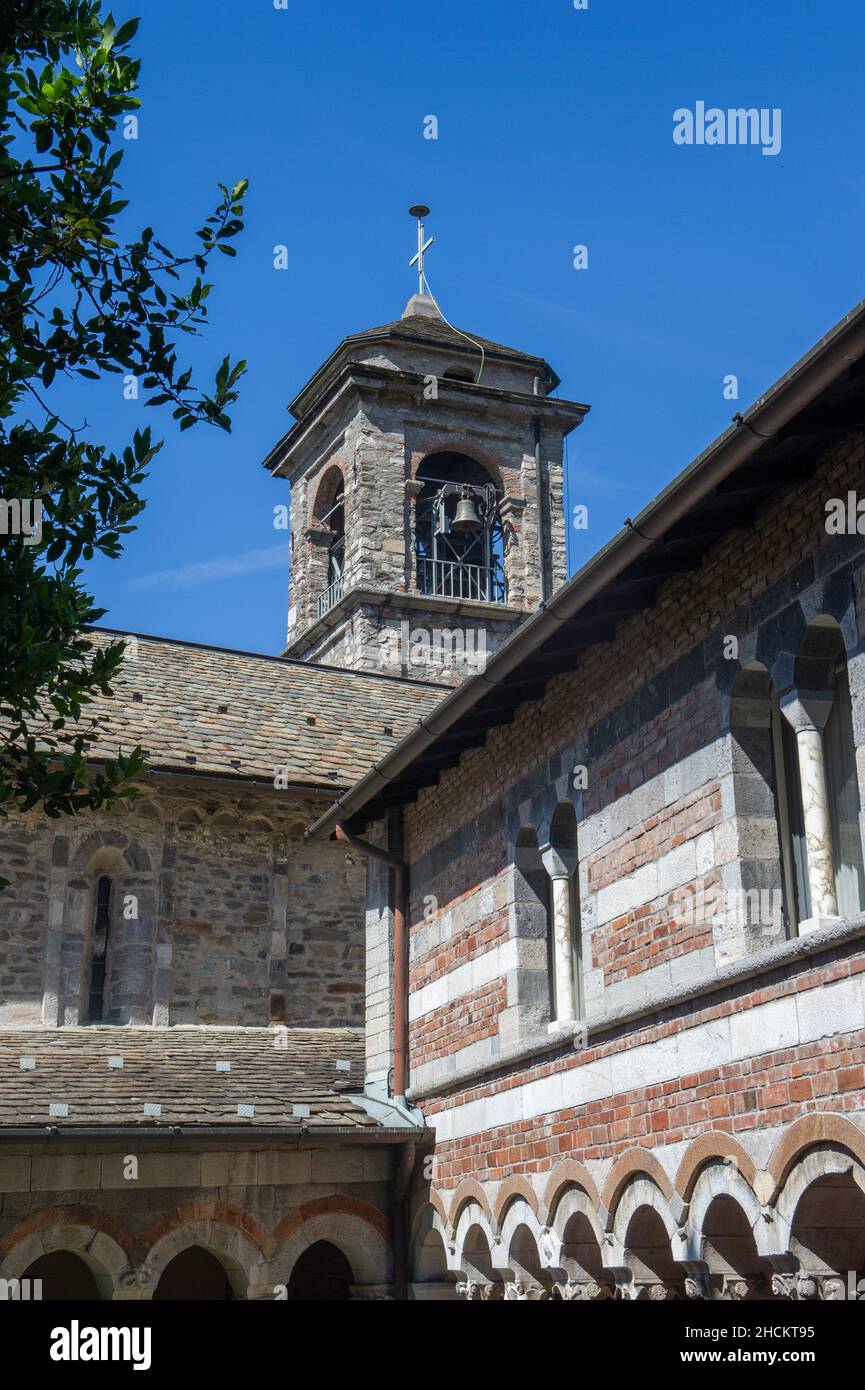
x,y
414,643
378,446
747,1061
707,1060
664,828
220,913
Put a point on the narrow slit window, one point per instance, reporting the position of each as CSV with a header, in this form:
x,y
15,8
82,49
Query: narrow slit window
x,y
99,951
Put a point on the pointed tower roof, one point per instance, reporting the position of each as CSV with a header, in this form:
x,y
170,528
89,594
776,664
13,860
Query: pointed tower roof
x,y
418,326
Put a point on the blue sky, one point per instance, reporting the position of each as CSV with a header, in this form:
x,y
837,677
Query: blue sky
x,y
555,129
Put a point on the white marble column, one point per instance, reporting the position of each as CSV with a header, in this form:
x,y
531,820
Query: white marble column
x,y
563,950
807,711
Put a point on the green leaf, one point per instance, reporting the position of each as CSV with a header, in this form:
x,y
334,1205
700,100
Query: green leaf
x,y
126,32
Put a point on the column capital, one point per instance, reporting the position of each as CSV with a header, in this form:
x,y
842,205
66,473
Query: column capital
x,y
559,862
807,709
479,1291
524,1291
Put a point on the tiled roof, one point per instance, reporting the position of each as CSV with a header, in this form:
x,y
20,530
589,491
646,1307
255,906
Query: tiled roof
x,y
436,331
43,1070
239,714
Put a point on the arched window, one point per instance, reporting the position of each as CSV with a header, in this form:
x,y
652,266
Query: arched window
x,y
329,517
823,832
764,904
322,1275
99,950
193,1274
65,1277
336,549
459,538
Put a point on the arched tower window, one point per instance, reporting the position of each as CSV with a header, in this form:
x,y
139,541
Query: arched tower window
x,y
330,519
459,538
336,549
99,950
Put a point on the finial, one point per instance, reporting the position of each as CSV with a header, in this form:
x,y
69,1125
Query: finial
x,y
421,304
420,211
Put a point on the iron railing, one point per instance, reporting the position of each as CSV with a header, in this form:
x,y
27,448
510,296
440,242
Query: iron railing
x,y
453,579
331,595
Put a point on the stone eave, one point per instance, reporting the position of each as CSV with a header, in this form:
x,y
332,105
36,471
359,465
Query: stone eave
x,y
247,1133
349,385
240,779
459,347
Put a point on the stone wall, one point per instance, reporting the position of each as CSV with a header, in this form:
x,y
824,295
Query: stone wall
x,y
220,913
415,643
128,1208
642,740
690,1023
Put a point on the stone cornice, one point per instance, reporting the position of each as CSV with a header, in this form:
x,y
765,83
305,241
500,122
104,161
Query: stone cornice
x,y
358,377
420,603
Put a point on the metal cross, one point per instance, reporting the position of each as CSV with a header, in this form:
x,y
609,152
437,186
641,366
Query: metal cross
x,y
420,212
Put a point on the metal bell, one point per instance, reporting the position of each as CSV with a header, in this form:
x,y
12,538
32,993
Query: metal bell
x,y
466,518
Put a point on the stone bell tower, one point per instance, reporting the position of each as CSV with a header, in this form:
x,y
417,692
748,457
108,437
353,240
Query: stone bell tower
x,y
426,497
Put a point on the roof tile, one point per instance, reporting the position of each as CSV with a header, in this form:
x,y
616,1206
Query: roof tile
x,y
169,1077
179,723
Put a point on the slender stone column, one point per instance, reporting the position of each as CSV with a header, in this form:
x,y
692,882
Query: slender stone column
x,y
560,861
563,951
807,711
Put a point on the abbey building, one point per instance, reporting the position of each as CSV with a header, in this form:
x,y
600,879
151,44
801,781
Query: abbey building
x,y
504,938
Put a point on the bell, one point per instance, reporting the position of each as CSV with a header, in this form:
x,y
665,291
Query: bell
x,y
466,518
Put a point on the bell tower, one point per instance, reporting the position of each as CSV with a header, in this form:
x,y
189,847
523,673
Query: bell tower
x,y
426,478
